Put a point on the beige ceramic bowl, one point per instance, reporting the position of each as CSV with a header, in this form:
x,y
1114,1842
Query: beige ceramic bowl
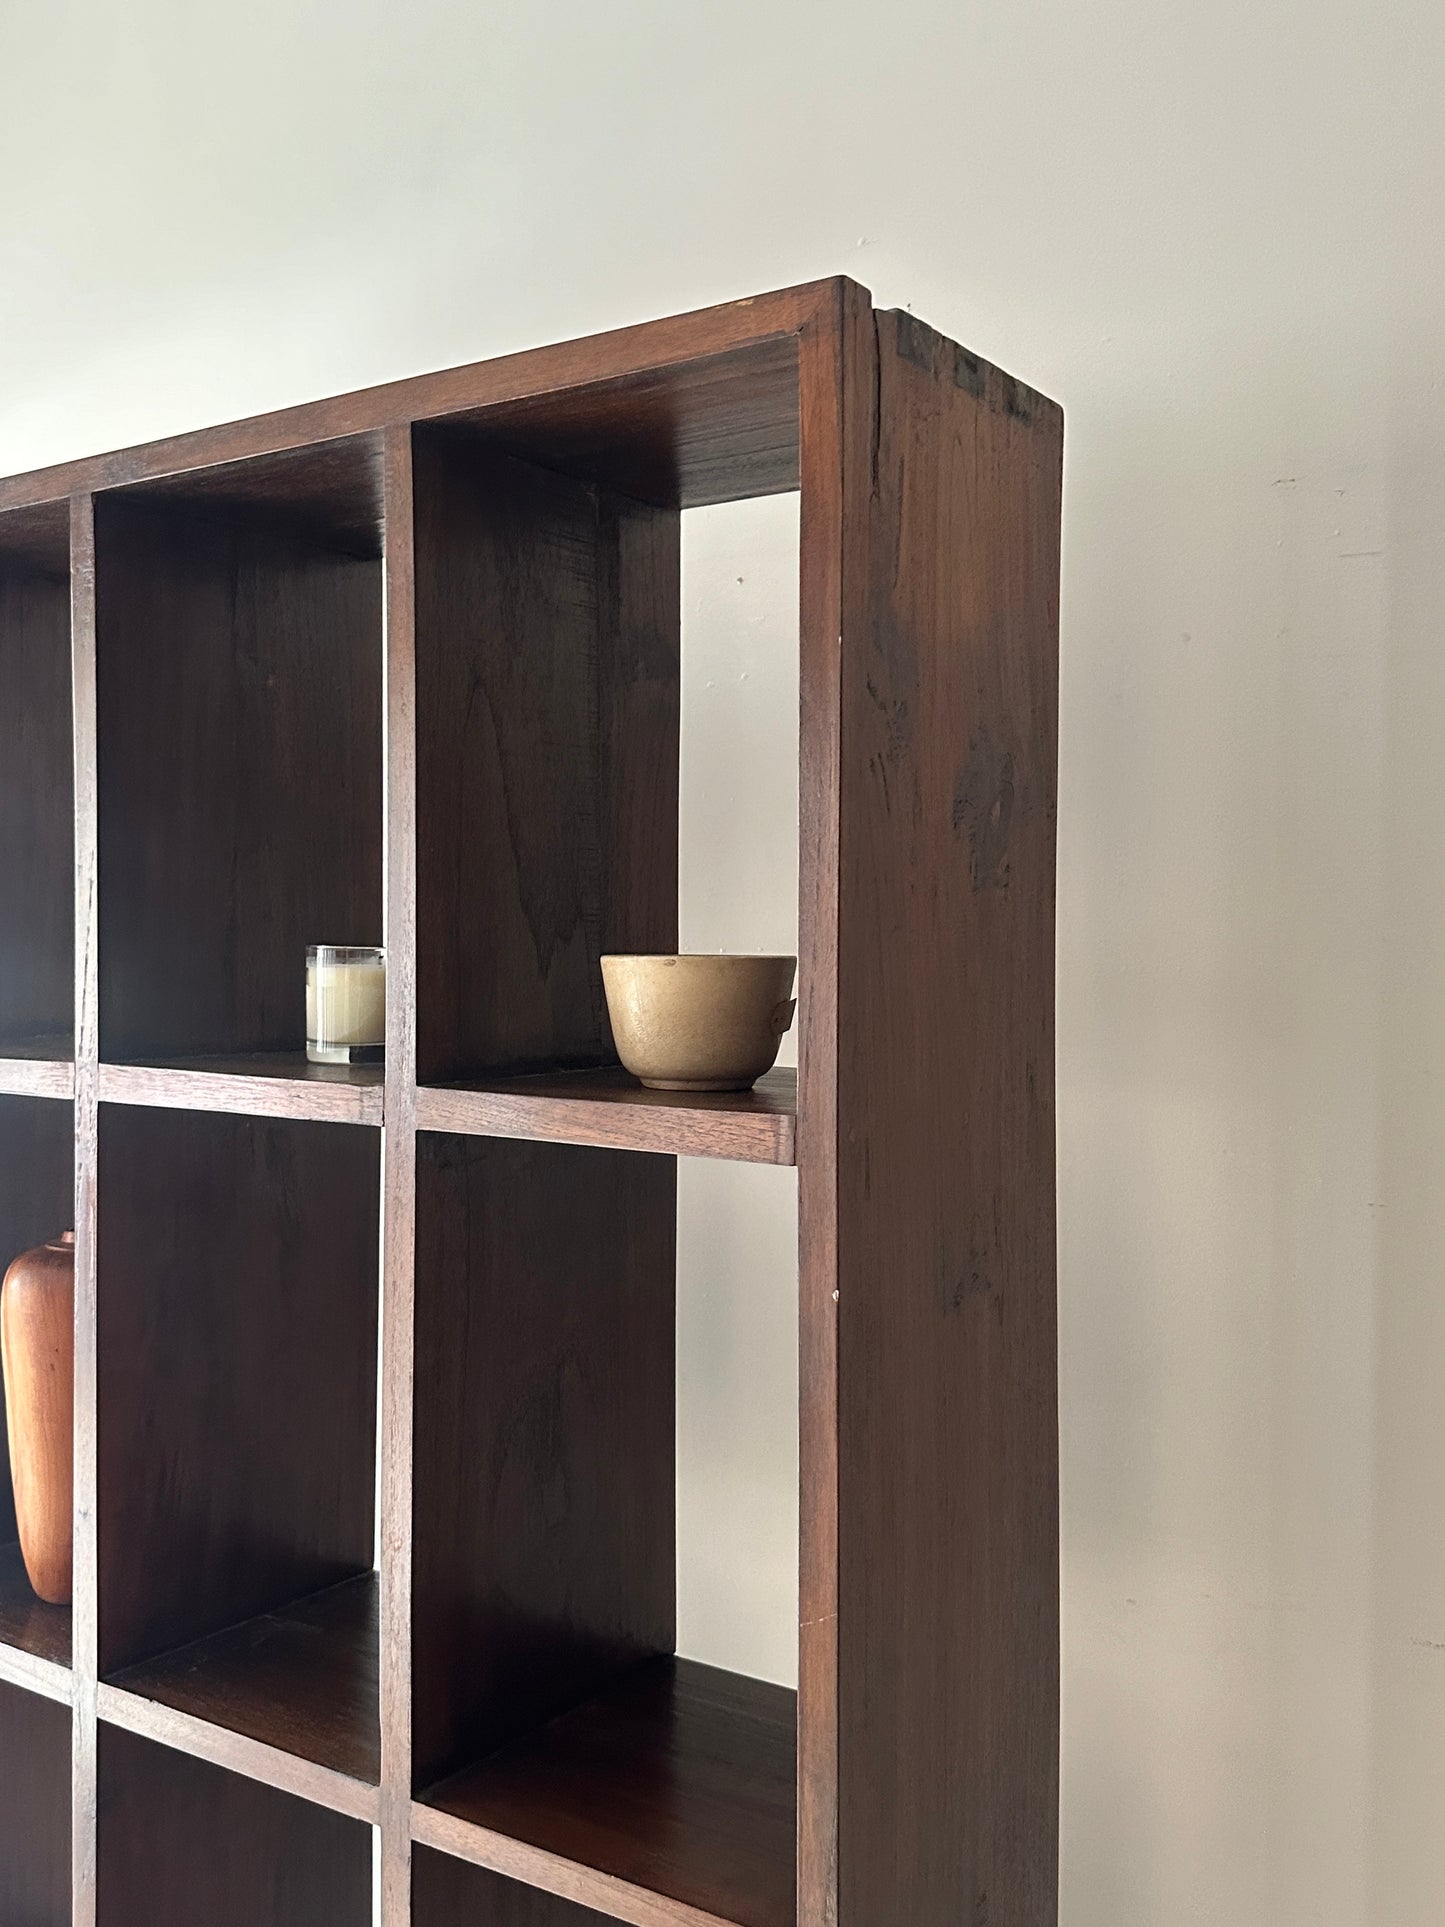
x,y
699,1023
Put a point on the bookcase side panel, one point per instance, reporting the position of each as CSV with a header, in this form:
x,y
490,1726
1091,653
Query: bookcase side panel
x,y
947,1358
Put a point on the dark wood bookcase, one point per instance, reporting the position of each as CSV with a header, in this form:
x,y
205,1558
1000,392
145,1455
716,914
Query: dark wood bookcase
x,y
375,1370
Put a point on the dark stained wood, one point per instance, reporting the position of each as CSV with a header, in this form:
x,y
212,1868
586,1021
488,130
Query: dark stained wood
x,y
203,1740
398,1192
36,1204
36,810
610,1108
330,494
678,1780
47,1073
185,1844
948,1603
727,428
257,1084
36,540
34,1810
240,816
301,1679
85,1615
543,1558
237,1352
837,412
547,653
452,1893
26,1623
687,345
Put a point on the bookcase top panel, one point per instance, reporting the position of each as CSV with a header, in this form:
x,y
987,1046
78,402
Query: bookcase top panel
x,y
694,409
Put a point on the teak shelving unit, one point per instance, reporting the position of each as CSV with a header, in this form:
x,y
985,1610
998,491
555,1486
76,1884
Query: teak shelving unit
x,y
406,665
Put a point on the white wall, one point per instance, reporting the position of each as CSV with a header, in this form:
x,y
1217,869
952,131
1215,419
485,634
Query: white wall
x,y
1213,231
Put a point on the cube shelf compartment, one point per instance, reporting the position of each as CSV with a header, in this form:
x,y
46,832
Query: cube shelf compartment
x,y
183,1842
37,856
238,664
35,1813
237,1364
405,667
37,1203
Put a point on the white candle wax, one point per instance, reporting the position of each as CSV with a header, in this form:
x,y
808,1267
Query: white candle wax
x,y
345,1004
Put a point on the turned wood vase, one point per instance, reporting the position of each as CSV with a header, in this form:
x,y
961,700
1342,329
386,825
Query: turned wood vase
x,y
37,1341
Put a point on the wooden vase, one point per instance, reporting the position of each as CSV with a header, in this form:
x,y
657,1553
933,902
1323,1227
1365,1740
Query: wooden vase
x,y
37,1343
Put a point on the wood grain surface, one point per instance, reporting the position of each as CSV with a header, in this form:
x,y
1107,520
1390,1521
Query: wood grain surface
x,y
254,1084
185,1844
240,815
543,1559
34,1810
610,1108
398,1323
450,1893
237,1358
948,1591
547,619
677,1779
36,810
27,1624
301,1679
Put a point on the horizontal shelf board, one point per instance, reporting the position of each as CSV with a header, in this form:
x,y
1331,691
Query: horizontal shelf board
x,y
266,1084
668,1800
34,1637
202,1740
610,1109
37,1067
300,1684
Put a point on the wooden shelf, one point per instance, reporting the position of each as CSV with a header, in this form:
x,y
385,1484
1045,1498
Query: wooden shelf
x,y
610,1109
301,1681
258,1084
669,1797
34,1637
37,1067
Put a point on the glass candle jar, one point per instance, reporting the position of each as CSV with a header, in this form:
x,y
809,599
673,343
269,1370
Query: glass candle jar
x,y
345,1004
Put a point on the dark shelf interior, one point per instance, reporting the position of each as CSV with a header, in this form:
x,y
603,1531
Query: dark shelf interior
x,y
34,1810
40,1047
26,1622
446,1892
237,1357
240,818
302,1678
183,1842
543,1510
37,1203
547,620
678,1778
37,791
712,430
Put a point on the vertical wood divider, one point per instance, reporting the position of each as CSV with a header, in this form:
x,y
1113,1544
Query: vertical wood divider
x,y
398,1184
86,1606
836,409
